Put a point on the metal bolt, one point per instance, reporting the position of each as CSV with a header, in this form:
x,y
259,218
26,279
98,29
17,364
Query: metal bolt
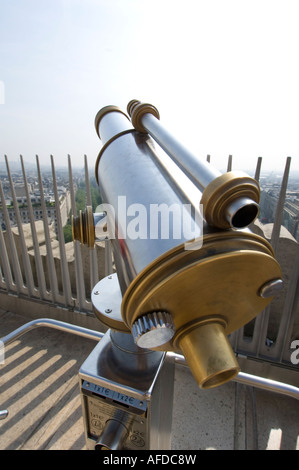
x,y
96,292
271,288
109,277
108,310
3,414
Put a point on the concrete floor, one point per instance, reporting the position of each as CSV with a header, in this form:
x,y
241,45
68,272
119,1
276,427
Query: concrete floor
x,y
39,387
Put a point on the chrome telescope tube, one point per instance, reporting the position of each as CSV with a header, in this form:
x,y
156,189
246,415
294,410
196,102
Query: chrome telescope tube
x,y
178,292
131,179
229,200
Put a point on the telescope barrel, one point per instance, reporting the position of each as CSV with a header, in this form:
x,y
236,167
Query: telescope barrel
x,y
183,290
108,126
229,200
131,182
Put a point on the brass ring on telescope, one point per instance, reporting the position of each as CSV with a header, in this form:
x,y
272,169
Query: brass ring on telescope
x,y
103,112
225,190
136,110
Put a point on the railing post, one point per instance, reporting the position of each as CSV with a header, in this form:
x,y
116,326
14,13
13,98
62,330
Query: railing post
x,y
94,277
80,286
50,260
25,256
37,257
68,299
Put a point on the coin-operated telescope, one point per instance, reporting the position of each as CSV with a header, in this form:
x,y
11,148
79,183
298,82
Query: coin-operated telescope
x,y
187,275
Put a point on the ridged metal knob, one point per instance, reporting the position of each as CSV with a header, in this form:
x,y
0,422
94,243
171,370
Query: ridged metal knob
x,y
153,330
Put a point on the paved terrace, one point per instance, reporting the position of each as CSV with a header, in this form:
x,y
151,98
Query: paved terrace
x,y
39,387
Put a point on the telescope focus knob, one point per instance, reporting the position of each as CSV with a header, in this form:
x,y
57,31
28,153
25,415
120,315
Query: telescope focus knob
x,y
153,329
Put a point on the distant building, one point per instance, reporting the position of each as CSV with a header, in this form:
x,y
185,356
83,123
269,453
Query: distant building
x,y
290,217
64,208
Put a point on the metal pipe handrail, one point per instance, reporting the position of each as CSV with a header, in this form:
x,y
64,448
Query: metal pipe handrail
x,y
242,377
66,282
250,380
56,324
3,414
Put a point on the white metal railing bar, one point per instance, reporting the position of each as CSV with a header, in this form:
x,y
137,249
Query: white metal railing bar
x,y
258,169
18,284
26,263
6,276
108,258
64,267
80,286
264,318
237,338
55,296
94,277
256,345
229,163
55,324
248,379
286,324
280,206
37,257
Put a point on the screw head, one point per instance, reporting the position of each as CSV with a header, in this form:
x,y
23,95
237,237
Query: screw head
x,y
271,288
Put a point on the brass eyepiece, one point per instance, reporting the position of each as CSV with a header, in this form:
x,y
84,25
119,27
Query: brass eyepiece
x,y
209,354
231,200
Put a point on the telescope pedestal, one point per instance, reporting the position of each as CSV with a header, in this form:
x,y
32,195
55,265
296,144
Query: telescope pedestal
x,y
127,396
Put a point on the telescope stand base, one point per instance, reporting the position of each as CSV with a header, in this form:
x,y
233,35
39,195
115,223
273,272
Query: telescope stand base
x,y
127,398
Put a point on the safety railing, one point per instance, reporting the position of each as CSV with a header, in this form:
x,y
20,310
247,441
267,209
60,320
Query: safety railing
x,y
49,278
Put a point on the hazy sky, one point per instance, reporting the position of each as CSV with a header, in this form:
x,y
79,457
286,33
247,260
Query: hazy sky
x,y
224,75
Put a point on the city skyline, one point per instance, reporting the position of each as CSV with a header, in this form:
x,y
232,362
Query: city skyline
x,y
222,75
